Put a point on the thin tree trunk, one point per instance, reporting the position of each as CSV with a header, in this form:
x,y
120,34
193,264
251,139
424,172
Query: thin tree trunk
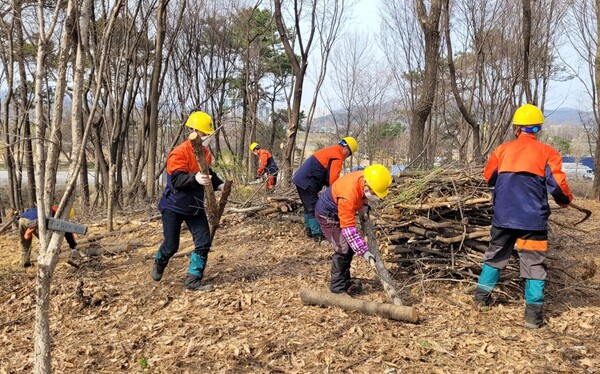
x,y
24,105
299,65
596,187
161,17
42,351
430,24
526,48
8,139
464,111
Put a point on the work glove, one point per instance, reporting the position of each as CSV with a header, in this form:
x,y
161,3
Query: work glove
x,y
564,205
202,179
368,256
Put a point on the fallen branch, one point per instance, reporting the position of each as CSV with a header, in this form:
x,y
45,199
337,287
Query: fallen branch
x,y
8,224
378,265
447,204
221,208
251,209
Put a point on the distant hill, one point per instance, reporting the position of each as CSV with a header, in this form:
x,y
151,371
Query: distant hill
x,y
560,116
566,116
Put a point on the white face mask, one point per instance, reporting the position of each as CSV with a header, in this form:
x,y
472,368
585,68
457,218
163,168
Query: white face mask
x,y
206,140
370,197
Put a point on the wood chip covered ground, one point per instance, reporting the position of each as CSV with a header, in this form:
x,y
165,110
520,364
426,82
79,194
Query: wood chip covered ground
x,y
109,316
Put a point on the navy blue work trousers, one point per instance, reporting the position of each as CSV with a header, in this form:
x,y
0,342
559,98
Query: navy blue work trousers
x,y
198,226
309,200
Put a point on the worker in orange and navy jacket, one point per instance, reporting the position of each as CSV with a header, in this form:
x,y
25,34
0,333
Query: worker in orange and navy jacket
x,y
523,172
183,201
335,213
320,170
266,165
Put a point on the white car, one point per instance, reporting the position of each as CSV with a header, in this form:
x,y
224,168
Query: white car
x,y
576,171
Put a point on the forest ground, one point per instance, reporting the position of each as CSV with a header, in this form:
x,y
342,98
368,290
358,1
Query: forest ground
x,y
109,316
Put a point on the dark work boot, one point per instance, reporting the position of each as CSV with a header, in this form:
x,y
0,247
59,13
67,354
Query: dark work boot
x,y
340,273
355,288
26,257
483,298
318,238
533,316
158,270
307,232
194,283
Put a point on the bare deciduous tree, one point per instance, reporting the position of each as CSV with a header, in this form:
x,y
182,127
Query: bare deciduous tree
x,y
303,13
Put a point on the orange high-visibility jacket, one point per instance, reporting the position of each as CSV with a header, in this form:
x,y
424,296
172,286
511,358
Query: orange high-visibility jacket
x,y
266,163
321,169
182,193
523,172
343,199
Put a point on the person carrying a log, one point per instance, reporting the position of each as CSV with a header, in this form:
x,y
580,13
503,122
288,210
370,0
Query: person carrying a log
x,y
28,227
266,166
183,201
320,170
335,212
523,171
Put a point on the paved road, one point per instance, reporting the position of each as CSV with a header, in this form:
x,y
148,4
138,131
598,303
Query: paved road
x,y
61,178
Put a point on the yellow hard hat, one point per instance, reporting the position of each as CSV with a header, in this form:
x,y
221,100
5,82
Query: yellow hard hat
x,y
528,115
72,213
200,121
379,179
349,142
254,146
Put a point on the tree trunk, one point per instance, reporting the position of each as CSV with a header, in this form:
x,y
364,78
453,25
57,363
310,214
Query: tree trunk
x,y
80,45
24,105
290,146
464,111
8,139
526,48
597,84
42,322
161,16
430,25
299,64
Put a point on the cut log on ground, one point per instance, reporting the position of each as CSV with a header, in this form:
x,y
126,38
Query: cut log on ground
x,y
371,308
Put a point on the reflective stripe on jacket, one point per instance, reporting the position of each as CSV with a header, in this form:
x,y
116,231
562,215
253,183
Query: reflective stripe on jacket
x,y
321,169
182,193
343,199
266,163
523,172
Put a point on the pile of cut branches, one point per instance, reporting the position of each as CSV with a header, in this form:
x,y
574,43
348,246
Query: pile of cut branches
x,y
437,223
